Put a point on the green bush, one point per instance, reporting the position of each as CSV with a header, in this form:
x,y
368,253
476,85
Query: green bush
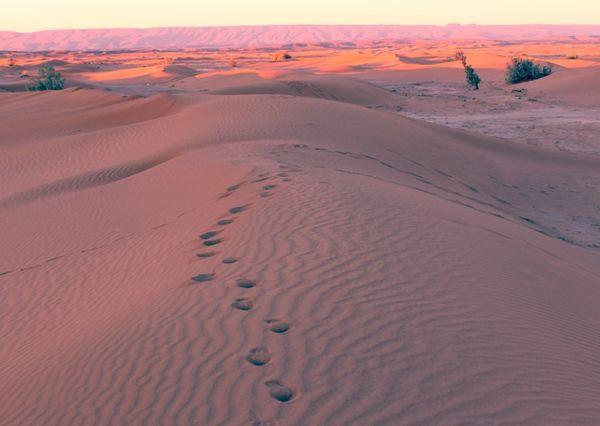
x,y
522,69
473,78
47,79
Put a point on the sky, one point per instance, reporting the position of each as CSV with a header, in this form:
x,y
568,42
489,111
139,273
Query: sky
x,y
33,15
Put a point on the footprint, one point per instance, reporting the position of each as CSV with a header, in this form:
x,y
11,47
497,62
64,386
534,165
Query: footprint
x,y
208,235
224,222
234,187
206,255
209,243
246,283
261,179
268,187
27,268
231,189
238,209
279,391
258,356
243,304
266,194
277,326
229,260
204,277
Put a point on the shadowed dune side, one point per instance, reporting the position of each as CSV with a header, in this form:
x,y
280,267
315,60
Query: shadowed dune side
x,y
140,74
83,181
258,258
44,115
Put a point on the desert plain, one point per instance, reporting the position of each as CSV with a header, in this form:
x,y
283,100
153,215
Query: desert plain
x,y
346,234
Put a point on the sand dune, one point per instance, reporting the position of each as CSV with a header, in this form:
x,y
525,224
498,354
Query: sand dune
x,y
288,249
140,73
575,87
304,85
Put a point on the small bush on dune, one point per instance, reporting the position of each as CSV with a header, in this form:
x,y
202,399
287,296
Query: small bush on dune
x,y
282,56
48,79
523,69
473,78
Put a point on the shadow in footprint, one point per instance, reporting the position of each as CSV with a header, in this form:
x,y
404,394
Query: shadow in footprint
x,y
277,326
258,356
231,190
268,187
208,235
243,304
235,187
224,222
238,209
209,243
279,391
229,260
200,278
206,255
246,283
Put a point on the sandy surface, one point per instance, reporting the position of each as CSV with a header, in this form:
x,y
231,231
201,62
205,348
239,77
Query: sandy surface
x,y
348,237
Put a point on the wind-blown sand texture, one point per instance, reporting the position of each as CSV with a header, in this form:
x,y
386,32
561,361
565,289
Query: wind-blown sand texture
x,y
282,245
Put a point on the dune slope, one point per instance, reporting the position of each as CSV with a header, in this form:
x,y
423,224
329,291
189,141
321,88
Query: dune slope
x,y
379,270
576,87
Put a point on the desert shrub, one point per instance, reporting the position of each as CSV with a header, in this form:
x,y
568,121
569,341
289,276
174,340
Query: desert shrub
x,y
48,79
282,56
473,78
523,69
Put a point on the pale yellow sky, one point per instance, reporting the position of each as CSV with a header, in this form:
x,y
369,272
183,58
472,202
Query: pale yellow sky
x,y
52,14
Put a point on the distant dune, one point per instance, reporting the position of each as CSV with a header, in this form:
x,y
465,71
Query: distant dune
x,y
246,36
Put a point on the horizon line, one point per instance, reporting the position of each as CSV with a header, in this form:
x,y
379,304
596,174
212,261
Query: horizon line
x,y
450,24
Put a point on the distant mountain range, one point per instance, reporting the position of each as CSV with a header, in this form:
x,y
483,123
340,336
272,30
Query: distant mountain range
x,y
274,36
